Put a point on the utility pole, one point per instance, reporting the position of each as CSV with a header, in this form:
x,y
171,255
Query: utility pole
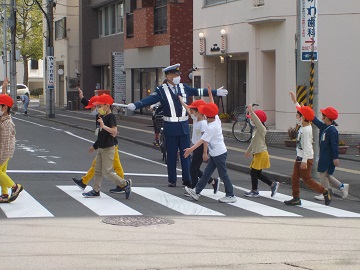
x,y
13,82
50,76
5,39
307,64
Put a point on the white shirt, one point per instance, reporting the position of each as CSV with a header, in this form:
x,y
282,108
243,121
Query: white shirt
x,y
304,142
199,128
214,137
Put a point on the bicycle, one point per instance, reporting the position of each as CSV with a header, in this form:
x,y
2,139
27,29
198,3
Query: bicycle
x,y
159,121
241,129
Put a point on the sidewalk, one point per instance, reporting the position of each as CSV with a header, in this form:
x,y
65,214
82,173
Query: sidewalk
x,y
282,158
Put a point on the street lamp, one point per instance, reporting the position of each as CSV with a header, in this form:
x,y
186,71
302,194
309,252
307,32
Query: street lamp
x,y
202,44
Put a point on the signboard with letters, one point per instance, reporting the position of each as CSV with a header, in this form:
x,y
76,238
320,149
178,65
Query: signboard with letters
x,y
308,30
50,72
118,77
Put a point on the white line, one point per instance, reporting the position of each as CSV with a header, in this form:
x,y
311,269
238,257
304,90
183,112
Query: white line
x,y
250,206
175,203
25,206
103,206
320,208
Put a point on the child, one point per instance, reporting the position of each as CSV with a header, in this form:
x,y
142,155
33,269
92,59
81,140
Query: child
x,y
329,153
199,127
83,182
218,153
304,159
105,144
7,148
260,154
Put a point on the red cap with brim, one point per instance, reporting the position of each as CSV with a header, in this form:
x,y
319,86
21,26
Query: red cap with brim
x,y
307,112
91,102
261,114
196,104
6,100
330,113
104,99
209,110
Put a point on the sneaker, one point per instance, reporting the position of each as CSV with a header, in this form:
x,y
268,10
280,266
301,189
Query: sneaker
x,y
293,201
274,187
4,198
344,191
127,189
79,183
319,197
228,199
192,193
15,190
251,193
216,185
327,196
92,194
117,190
186,194
171,184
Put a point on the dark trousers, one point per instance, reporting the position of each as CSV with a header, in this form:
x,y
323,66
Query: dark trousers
x,y
196,162
173,144
255,175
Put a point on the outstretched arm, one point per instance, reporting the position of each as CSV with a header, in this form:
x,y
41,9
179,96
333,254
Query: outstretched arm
x,y
210,93
4,86
184,104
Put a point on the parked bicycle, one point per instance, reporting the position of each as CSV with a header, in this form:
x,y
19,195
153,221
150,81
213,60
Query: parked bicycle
x,y
241,129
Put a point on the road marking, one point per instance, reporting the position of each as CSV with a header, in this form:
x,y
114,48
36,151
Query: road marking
x,y
103,206
25,206
175,203
250,206
320,208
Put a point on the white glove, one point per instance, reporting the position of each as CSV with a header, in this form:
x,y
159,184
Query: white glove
x,y
221,92
131,107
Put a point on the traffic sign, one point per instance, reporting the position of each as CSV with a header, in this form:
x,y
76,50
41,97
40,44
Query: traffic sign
x,y
50,72
308,30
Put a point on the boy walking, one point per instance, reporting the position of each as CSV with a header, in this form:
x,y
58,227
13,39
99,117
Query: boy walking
x,y
105,146
7,148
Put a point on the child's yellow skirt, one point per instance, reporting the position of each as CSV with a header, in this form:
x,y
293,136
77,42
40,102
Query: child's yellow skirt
x,y
260,161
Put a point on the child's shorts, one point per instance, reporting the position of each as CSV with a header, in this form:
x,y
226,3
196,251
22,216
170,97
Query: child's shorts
x,y
260,161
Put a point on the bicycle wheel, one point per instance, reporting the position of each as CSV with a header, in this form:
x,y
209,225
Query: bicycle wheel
x,y
163,146
242,130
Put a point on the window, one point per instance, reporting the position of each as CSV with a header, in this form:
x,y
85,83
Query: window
x,y
130,18
60,29
160,17
111,19
34,64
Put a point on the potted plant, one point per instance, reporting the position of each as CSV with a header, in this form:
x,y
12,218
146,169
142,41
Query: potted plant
x,y
225,117
292,133
342,147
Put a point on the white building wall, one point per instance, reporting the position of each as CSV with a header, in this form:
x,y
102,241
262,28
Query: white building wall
x,y
266,37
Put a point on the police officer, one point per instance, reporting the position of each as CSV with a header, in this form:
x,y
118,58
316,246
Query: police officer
x,y
176,125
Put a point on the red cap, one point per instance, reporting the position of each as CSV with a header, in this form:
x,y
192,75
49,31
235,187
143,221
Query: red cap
x,y
104,99
307,112
261,114
209,110
330,113
196,104
91,102
6,100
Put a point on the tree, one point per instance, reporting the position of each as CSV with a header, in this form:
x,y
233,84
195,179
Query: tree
x,y
29,33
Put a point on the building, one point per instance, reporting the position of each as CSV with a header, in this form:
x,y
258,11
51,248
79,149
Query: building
x,y
251,51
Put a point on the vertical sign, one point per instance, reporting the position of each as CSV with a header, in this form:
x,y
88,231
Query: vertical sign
x,y
50,72
308,29
118,77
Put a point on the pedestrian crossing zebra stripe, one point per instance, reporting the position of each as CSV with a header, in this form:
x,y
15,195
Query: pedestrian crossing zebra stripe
x,y
258,208
25,207
175,203
103,206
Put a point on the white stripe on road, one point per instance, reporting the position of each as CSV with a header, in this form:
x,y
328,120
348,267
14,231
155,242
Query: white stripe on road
x,y
175,203
251,206
320,208
25,206
103,206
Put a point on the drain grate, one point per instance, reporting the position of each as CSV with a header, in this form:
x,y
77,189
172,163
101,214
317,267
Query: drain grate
x,y
137,221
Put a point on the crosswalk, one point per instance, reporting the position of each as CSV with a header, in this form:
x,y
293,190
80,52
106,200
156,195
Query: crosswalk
x,y
26,206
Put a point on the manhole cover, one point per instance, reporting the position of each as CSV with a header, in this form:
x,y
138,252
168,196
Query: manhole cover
x,y
137,221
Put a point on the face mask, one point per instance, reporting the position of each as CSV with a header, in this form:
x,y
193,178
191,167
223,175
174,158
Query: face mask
x,y
298,121
101,111
94,112
193,117
176,80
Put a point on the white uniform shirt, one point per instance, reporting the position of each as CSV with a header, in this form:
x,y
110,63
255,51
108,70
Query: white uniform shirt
x,y
214,136
199,127
304,142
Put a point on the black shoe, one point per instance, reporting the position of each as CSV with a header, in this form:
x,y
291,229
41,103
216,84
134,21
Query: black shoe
x,y
216,184
186,183
127,189
327,196
117,190
25,112
79,183
171,184
92,194
293,201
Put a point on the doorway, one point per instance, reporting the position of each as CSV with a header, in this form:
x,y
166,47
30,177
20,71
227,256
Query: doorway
x,y
236,82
